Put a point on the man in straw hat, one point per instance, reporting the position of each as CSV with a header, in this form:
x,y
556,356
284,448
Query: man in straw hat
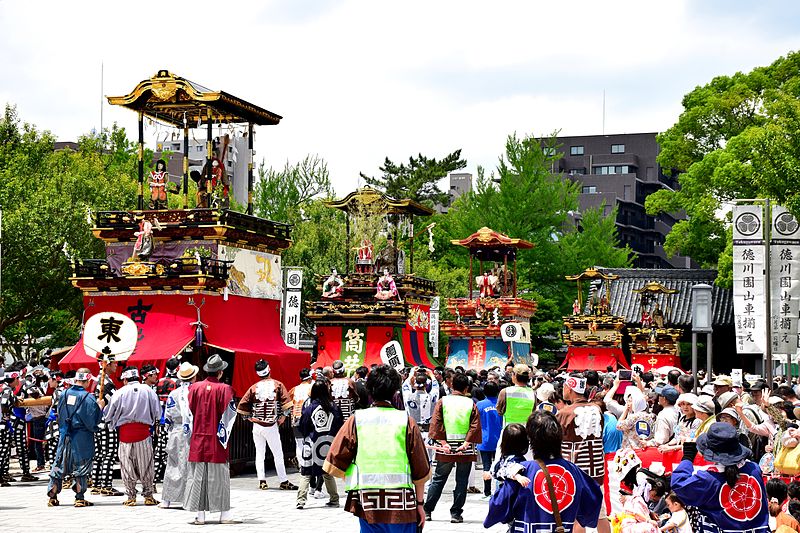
x,y
178,422
208,484
134,410
78,420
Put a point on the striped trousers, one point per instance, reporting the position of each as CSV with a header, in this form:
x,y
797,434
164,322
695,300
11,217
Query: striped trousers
x,y
5,448
136,465
160,453
106,445
21,444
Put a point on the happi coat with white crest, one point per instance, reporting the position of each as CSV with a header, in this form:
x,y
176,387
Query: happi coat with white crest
x,y
178,419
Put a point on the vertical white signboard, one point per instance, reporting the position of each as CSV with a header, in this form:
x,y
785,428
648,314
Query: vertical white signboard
x,y
749,304
291,307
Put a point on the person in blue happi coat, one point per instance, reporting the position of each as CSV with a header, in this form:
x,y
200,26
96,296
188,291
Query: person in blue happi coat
x,y
530,508
729,494
79,416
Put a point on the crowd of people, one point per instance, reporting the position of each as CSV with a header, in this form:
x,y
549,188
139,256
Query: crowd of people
x,y
554,448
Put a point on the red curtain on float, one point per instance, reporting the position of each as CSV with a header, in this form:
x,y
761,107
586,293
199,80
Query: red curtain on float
x,y
594,358
652,361
249,327
362,344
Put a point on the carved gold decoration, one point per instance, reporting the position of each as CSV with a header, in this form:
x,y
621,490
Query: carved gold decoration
x,y
171,98
163,88
135,269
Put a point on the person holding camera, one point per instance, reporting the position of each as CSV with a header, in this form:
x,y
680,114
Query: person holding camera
x,y
418,400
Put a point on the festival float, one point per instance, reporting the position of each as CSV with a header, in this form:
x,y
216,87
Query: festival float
x,y
654,344
380,299
593,334
195,281
492,324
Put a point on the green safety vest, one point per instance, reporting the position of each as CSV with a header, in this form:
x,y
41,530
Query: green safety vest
x,y
381,460
456,411
519,405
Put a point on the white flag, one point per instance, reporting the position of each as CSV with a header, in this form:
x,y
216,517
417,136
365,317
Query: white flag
x,y
392,355
225,427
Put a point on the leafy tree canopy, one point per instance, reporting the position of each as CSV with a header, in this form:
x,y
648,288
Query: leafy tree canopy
x,y
296,194
738,137
46,199
526,199
419,179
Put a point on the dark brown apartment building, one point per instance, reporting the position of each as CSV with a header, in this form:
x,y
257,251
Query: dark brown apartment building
x,y
621,170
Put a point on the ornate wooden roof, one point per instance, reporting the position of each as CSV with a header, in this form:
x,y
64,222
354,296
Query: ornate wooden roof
x,y
592,273
170,98
488,238
655,287
371,201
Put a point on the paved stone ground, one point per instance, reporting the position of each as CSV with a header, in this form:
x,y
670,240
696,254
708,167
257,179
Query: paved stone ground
x,y
23,508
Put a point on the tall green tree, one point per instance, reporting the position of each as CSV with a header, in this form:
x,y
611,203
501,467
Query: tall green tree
x,y
737,137
280,194
296,195
418,179
526,199
46,199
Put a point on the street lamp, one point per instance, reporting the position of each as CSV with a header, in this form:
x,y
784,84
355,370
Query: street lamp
x,y
702,318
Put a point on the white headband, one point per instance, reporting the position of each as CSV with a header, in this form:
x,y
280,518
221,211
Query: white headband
x,y
128,374
83,376
576,384
263,373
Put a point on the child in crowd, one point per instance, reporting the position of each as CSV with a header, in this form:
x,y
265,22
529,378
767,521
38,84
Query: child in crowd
x,y
679,521
779,519
793,503
513,448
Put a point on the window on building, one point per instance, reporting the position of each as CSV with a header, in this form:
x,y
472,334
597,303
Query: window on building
x,y
199,148
612,169
617,148
577,171
576,150
589,189
230,164
626,192
549,151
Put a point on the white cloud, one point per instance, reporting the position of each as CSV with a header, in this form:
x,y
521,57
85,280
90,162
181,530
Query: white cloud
x,y
360,80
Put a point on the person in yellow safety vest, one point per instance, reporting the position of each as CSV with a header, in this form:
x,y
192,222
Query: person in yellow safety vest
x,y
516,403
456,428
380,453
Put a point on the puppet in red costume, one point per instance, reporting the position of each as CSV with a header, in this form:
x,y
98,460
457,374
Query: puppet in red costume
x,y
159,178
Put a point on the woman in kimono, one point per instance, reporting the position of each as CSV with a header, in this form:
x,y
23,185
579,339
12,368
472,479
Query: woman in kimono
x,y
319,423
179,421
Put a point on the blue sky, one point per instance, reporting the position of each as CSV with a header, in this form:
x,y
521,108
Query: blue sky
x,y
360,80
